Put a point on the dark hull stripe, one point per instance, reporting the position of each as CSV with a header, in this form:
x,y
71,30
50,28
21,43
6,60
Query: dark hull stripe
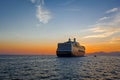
x,y
69,54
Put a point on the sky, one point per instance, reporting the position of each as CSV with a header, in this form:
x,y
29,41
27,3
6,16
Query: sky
x,y
37,26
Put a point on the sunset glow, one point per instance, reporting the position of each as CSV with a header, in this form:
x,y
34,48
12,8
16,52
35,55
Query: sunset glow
x,y
31,27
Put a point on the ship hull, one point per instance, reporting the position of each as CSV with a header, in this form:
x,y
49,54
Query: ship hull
x,y
70,54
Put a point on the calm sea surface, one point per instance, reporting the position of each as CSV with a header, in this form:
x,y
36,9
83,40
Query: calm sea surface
x,y
54,68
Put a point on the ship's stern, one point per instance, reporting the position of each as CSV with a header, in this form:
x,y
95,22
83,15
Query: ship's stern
x,y
64,50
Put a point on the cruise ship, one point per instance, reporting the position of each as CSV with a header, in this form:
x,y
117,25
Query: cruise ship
x,y
70,49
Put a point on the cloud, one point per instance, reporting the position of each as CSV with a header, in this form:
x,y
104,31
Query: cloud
x,y
43,15
115,40
106,28
38,2
97,29
33,1
103,18
105,33
112,10
98,36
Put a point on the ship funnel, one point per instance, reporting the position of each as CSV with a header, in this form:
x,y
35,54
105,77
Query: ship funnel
x,y
69,40
74,39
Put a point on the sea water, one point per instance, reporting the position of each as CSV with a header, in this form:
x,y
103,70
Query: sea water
x,y
54,68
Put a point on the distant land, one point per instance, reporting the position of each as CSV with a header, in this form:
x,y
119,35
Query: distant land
x,y
117,53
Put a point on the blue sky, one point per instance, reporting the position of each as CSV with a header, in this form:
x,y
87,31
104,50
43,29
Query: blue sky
x,y
57,20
